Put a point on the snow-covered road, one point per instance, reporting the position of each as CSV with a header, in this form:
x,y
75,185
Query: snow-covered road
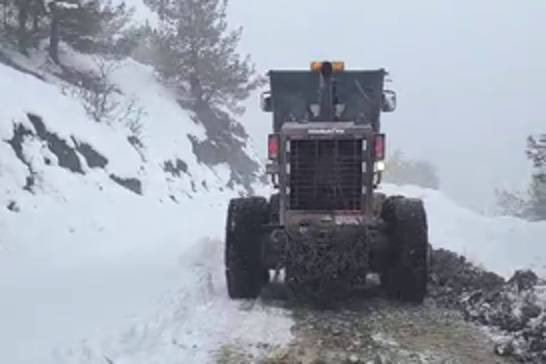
x,y
63,291
77,294
43,306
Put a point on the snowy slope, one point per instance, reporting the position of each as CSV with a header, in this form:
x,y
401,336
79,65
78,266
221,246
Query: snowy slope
x,y
165,129
80,251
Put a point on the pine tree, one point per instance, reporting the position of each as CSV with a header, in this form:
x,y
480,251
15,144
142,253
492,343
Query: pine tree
x,y
199,54
198,57
90,26
21,22
536,150
511,202
536,153
93,26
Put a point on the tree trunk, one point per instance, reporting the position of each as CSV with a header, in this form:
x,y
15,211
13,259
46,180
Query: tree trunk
x,y
54,33
196,91
22,18
35,22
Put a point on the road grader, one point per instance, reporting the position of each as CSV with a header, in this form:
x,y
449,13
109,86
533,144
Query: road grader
x,y
327,227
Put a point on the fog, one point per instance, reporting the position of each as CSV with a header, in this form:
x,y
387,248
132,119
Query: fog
x,y
469,75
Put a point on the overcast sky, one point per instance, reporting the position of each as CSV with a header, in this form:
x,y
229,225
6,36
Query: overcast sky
x,y
470,75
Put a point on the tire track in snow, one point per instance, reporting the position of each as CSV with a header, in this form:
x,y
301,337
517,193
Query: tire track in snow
x,y
196,323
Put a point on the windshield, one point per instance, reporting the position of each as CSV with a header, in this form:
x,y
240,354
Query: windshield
x,y
356,96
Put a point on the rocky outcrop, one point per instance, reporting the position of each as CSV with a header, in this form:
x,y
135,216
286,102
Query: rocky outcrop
x,y
225,143
67,154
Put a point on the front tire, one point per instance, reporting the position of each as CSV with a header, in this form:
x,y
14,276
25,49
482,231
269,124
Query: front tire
x,y
405,278
244,247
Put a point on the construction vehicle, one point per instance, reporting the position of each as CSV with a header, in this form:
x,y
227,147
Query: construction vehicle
x,y
327,228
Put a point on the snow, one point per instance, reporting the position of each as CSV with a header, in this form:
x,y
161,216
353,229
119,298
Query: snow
x,y
83,256
142,15
91,270
500,244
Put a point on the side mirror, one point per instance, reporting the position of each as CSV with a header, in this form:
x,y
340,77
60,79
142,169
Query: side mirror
x,y
266,102
389,101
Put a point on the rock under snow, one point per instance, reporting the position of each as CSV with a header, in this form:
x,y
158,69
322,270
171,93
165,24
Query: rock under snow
x,y
515,307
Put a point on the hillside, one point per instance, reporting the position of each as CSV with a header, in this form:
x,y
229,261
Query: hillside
x,y
81,194
126,150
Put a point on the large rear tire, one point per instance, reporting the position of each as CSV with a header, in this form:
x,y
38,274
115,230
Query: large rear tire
x,y
405,277
244,247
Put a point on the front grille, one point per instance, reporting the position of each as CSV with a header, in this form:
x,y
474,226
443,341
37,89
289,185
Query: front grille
x,y
325,174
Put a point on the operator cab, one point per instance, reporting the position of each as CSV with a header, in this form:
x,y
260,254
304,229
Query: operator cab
x,y
328,93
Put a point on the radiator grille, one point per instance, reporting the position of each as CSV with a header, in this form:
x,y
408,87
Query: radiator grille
x,y
325,174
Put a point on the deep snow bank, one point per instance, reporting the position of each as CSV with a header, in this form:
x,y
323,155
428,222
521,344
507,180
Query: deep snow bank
x,y
499,244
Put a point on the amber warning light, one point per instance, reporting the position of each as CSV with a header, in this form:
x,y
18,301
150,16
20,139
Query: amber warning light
x,y
337,66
